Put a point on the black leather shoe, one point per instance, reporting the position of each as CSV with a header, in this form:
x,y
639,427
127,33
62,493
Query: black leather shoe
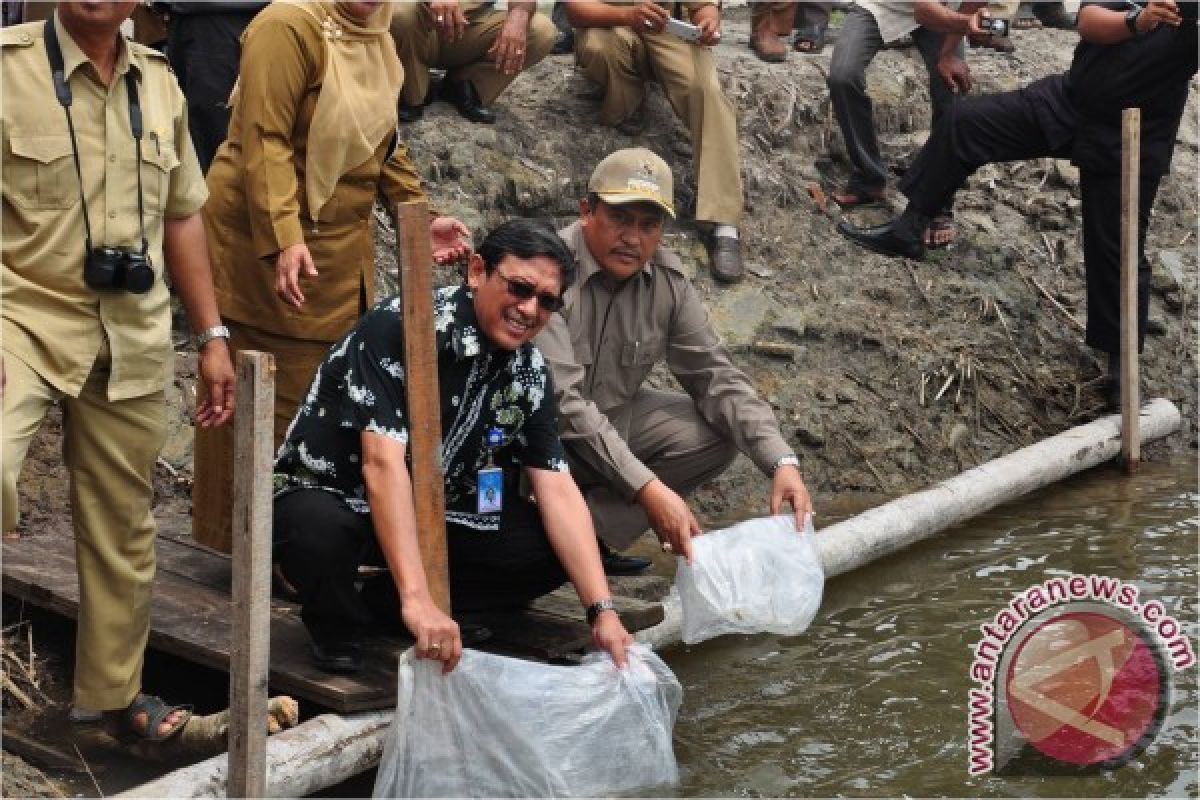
x,y
462,95
725,258
406,113
340,658
888,239
617,564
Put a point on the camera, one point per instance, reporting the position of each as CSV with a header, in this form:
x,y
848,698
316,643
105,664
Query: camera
x,y
118,268
995,26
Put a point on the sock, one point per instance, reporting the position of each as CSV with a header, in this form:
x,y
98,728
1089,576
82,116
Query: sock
x,y
729,231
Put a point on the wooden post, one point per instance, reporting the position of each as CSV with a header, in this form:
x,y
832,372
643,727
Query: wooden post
x,y
254,431
1131,149
424,400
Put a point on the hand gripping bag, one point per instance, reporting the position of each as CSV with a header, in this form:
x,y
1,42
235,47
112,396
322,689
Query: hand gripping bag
x,y
501,727
759,576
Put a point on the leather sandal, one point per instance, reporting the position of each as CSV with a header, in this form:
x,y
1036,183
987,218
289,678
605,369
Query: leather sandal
x,y
809,42
852,198
122,726
941,224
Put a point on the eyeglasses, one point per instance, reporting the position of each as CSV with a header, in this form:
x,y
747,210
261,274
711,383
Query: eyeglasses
x,y
521,290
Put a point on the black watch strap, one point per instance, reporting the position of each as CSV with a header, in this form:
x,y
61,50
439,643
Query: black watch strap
x,y
593,611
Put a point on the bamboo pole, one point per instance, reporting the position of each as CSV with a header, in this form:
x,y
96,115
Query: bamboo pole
x,y
424,402
1131,150
254,431
330,749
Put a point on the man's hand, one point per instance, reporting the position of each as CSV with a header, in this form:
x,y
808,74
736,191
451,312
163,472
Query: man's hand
x,y
288,265
978,21
788,486
1157,12
671,519
648,17
449,239
448,19
508,51
609,634
215,406
708,19
955,73
436,633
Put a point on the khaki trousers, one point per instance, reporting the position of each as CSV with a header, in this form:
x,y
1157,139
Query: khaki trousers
x,y
109,449
296,362
467,59
670,437
621,61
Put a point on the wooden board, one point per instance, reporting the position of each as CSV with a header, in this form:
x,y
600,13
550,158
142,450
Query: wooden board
x,y
191,618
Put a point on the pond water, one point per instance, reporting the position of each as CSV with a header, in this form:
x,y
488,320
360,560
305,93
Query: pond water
x,y
872,699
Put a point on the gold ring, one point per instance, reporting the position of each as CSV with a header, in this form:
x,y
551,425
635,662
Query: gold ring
x,y
435,647
666,547
440,19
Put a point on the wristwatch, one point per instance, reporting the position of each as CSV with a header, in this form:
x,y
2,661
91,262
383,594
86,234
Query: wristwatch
x,y
207,335
595,608
1131,18
790,460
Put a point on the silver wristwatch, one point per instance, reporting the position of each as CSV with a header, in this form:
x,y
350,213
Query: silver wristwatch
x,y
207,335
790,460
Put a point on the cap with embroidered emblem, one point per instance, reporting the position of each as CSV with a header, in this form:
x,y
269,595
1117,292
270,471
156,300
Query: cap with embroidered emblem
x,y
634,175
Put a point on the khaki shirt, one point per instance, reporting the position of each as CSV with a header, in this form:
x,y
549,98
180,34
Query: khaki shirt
x,y
258,207
609,336
51,319
894,17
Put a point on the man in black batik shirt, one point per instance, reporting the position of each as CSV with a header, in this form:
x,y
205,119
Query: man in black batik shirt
x,y
343,494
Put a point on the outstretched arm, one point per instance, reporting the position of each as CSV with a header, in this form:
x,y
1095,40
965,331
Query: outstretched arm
x,y
1100,25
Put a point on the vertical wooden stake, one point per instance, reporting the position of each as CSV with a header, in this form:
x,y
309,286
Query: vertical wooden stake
x,y
254,430
1131,150
424,400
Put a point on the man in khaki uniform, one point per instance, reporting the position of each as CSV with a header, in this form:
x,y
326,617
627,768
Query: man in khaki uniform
x,y
101,351
481,48
635,450
621,46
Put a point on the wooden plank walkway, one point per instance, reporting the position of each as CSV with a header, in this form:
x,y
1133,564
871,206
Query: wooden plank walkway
x,y
191,618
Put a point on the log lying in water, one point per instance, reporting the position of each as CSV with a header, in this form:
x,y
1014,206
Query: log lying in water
x,y
330,749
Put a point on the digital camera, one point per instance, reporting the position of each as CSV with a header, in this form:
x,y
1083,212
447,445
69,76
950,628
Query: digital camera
x,y
118,268
995,26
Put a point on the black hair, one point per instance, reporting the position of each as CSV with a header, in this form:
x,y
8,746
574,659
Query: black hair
x,y
526,238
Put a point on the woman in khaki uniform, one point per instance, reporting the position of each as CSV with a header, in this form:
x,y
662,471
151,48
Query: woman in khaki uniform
x,y
312,142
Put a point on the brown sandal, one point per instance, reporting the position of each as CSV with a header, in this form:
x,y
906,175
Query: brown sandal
x,y
852,198
940,225
122,726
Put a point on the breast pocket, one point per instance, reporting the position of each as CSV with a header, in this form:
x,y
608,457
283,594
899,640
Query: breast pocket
x,y
39,172
159,159
642,352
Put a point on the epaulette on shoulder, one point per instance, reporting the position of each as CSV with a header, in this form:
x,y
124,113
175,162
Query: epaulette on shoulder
x,y
145,50
20,35
667,258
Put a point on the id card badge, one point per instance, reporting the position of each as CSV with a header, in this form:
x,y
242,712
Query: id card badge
x,y
490,490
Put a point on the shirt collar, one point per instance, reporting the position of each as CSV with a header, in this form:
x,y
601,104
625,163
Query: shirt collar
x,y
74,57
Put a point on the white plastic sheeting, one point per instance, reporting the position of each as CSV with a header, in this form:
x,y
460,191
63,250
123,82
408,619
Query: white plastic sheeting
x,y
501,727
759,576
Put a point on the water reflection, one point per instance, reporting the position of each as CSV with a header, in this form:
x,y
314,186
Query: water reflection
x,y
871,700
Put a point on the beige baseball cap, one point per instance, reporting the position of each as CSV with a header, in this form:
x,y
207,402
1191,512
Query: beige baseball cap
x,y
634,175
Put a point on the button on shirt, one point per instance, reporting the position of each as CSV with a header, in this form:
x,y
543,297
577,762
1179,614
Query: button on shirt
x,y
607,339
51,319
360,387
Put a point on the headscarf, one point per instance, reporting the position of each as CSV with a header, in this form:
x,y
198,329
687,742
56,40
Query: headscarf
x,y
356,108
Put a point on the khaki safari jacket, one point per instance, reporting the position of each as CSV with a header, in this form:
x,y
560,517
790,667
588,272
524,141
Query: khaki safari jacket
x,y
257,205
52,320
604,343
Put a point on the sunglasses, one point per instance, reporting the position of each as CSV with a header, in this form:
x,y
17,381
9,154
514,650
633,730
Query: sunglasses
x,y
520,290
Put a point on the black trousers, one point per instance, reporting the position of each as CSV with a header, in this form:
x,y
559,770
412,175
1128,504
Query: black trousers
x,y
204,50
1011,127
319,543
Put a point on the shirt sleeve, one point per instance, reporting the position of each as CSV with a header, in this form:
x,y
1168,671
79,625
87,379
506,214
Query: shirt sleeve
x,y
186,190
723,393
399,180
584,428
274,77
538,444
373,398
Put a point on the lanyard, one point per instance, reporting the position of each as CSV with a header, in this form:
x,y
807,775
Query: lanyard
x,y
62,91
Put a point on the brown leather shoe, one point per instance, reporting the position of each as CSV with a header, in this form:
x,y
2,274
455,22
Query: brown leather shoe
x,y
725,257
767,46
